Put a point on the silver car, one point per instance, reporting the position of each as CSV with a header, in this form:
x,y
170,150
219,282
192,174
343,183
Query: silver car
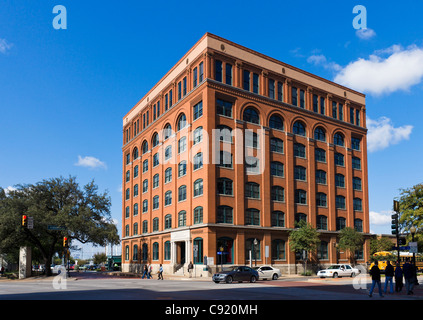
x,y
268,272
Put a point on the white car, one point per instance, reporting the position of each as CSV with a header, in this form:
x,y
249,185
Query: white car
x,y
338,270
268,272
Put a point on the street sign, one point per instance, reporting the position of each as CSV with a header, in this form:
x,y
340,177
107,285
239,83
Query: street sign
x,y
30,222
413,247
56,228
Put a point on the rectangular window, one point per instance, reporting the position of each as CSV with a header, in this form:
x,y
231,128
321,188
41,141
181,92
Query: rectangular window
x,y
170,98
271,88
351,115
198,110
201,72
315,103
322,105
195,79
228,74
154,112
256,86
224,108
294,96
246,85
355,143
334,109
302,99
280,91
179,90
218,70
341,111
184,80
356,163
166,102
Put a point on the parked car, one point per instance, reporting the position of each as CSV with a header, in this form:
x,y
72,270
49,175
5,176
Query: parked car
x,y
236,273
268,272
338,270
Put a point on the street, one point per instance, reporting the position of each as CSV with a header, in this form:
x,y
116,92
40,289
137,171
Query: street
x,y
97,286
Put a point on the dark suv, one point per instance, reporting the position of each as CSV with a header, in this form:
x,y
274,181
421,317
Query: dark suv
x,y
236,273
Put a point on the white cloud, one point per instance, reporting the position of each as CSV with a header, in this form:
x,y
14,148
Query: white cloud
x,y
377,75
320,60
382,133
90,162
4,46
365,34
380,218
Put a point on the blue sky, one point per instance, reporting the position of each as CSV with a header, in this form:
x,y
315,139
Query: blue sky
x,y
63,93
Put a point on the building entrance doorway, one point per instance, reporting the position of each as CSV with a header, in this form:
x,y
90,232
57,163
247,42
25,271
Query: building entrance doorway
x,y
181,253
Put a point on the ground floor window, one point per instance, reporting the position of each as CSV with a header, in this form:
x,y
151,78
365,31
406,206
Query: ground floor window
x,y
198,250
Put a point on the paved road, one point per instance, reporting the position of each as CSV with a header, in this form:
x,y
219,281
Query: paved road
x,y
93,286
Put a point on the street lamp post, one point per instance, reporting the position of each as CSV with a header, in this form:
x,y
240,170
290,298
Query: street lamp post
x,y
413,231
255,253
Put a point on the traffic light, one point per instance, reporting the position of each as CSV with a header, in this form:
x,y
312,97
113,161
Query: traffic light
x,y
24,221
394,224
65,242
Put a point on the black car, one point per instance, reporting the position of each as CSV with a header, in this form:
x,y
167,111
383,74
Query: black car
x,y
236,273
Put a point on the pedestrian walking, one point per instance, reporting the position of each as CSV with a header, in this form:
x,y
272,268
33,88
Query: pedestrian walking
x,y
150,271
145,273
399,274
389,275
160,273
409,274
190,268
375,273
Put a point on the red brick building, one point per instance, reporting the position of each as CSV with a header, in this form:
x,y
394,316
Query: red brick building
x,y
232,148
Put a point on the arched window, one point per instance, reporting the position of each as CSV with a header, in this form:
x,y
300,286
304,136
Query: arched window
x,y
182,122
358,225
135,229
300,196
198,187
224,214
276,169
168,221
182,218
155,224
322,222
320,134
135,253
144,147
198,243
322,250
135,154
155,251
225,186
251,115
155,139
276,145
252,217
167,131
198,215
299,128
252,190
167,250
338,139
340,223
276,122
278,219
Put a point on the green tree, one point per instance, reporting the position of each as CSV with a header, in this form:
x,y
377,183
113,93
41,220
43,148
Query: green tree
x,y
411,211
99,258
351,240
304,238
82,212
380,244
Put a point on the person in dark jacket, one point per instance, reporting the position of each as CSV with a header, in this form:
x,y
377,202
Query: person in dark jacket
x,y
399,274
375,273
389,275
409,276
